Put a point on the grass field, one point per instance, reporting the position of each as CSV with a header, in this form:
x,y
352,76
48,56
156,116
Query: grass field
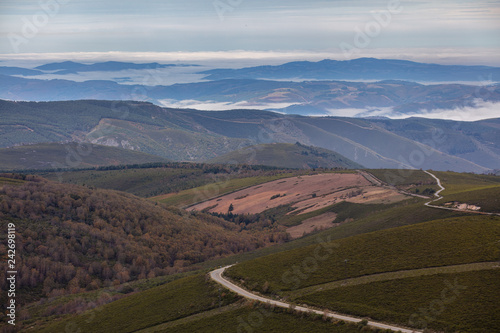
x,y
461,182
463,302
259,319
169,302
436,243
400,177
363,218
487,198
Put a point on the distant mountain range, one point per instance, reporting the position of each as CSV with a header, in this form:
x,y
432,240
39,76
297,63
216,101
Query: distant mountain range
x,y
190,135
360,69
306,98
306,88
70,67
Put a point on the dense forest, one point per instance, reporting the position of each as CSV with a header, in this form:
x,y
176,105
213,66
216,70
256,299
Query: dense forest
x,y
71,238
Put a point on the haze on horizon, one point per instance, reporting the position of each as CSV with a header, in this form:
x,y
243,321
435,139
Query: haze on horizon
x,y
463,31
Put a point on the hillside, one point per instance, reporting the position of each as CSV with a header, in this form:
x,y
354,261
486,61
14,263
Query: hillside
x,y
71,238
374,274
286,155
190,135
70,155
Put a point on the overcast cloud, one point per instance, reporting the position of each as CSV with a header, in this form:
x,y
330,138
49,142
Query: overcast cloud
x,y
250,25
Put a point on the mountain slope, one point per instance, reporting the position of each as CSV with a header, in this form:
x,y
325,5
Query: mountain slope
x,y
190,135
70,155
286,155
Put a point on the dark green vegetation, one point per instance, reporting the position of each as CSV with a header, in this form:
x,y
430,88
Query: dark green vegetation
x,y
430,244
147,180
71,238
260,319
461,302
169,302
191,304
190,135
70,155
286,155
479,190
414,181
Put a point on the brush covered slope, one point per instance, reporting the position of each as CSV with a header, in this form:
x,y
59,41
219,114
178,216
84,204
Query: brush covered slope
x,y
70,155
71,238
286,155
191,135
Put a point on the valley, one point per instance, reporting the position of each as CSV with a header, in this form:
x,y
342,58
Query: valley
x,y
284,200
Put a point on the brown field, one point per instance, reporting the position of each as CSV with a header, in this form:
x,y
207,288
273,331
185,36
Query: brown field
x,y
305,193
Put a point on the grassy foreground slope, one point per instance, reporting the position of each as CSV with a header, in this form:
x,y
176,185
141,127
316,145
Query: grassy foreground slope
x,y
430,244
460,302
169,302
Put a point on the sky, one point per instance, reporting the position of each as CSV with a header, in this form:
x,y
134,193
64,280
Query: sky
x,y
462,31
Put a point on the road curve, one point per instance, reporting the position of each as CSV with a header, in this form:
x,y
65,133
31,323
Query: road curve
x,y
438,196
216,275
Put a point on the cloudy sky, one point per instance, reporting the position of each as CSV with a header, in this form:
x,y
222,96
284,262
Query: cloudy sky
x,y
467,30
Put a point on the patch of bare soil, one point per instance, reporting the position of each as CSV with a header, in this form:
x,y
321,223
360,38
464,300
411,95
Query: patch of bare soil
x,y
304,193
320,222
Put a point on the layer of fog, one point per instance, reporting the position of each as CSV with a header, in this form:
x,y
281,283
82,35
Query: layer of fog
x,y
480,111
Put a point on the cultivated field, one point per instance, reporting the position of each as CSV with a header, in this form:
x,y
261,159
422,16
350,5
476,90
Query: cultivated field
x,y
304,193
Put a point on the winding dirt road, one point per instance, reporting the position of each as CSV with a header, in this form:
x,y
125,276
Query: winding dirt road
x,y
217,276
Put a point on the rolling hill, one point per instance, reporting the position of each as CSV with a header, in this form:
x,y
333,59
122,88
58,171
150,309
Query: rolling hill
x,y
190,135
71,238
286,155
305,98
384,276
69,156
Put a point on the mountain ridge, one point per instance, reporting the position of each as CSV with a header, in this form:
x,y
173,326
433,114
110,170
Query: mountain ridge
x,y
191,135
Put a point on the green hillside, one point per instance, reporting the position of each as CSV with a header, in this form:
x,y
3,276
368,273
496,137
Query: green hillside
x,y
457,302
69,156
286,155
166,303
172,178
431,244
190,304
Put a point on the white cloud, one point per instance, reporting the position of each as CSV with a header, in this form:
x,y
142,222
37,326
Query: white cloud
x,y
221,106
481,110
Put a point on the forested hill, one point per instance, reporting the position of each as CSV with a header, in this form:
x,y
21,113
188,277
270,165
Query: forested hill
x,y
71,238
